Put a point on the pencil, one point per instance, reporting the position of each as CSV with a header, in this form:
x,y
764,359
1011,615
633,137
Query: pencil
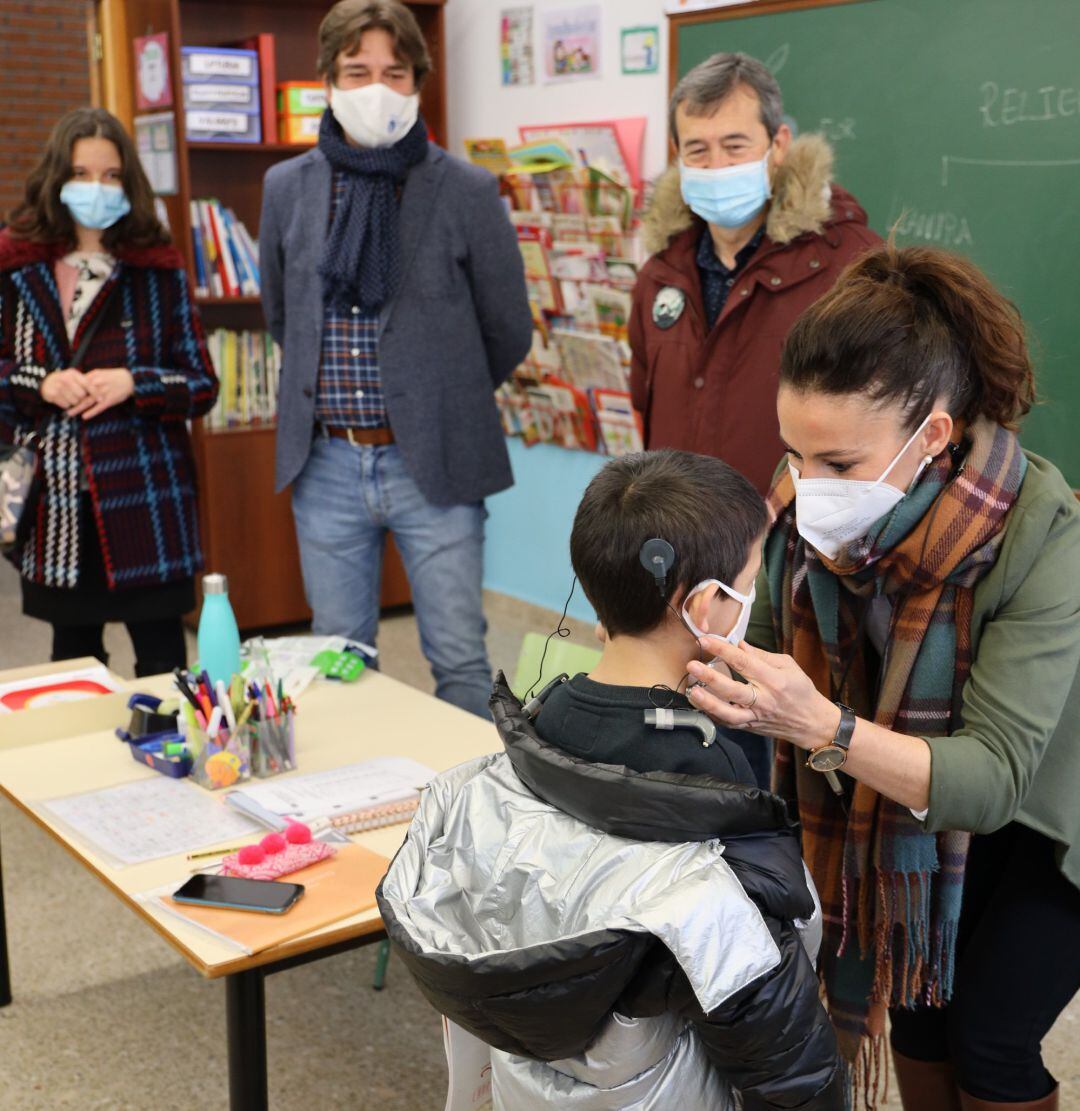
x,y
215,852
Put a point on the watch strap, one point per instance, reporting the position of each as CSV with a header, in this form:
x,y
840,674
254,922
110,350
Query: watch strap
x,y
846,727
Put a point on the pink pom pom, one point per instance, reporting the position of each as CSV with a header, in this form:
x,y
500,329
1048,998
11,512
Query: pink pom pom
x,y
251,854
273,843
298,833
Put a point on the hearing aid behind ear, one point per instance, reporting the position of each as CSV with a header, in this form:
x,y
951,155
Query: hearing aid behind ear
x,y
658,557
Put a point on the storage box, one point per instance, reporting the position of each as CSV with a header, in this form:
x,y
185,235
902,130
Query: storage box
x,y
223,127
299,129
221,96
219,63
301,98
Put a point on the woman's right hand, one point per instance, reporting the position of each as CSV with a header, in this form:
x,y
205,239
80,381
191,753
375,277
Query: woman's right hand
x,y
67,390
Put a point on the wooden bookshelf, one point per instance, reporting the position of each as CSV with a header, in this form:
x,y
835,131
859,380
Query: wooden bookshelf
x,y
248,530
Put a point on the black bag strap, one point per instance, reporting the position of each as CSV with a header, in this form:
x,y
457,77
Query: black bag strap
x,y
92,327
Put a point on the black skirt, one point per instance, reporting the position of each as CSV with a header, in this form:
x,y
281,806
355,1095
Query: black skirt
x,y
91,602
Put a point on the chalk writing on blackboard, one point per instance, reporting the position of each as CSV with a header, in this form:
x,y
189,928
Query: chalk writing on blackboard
x,y
950,160
776,61
1006,107
836,131
948,229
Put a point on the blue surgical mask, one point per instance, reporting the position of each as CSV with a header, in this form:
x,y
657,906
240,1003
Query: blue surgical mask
x,y
94,204
729,197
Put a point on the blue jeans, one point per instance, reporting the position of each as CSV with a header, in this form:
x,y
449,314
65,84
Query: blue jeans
x,y
344,501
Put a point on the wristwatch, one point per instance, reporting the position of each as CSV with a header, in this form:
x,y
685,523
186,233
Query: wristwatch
x,y
833,756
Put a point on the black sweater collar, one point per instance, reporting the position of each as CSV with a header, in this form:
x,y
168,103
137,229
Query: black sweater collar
x,y
643,806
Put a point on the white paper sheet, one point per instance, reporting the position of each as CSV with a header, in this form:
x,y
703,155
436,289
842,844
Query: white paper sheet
x,y
149,819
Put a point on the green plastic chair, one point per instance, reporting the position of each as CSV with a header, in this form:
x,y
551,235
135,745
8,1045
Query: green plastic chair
x,y
562,655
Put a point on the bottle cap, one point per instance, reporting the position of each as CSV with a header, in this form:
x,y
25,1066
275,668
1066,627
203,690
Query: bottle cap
x,y
215,583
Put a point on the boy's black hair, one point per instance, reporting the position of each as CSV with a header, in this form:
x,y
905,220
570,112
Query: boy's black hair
x,y
708,512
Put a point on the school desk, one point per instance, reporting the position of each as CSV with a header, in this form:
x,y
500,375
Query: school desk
x,y
337,724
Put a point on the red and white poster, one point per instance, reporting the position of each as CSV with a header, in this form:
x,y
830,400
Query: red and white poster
x,y
153,89
48,690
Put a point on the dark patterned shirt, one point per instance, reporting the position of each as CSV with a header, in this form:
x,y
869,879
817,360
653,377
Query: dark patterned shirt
x,y
350,393
716,278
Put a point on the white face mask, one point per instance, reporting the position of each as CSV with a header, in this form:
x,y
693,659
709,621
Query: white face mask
x,y
738,630
832,512
374,115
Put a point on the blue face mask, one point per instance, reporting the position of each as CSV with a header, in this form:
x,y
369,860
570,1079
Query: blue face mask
x,y
95,205
729,197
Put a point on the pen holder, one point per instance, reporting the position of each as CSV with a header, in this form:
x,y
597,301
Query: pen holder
x,y
273,746
222,762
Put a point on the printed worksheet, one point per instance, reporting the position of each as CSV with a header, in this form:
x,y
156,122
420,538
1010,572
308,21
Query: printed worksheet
x,y
149,819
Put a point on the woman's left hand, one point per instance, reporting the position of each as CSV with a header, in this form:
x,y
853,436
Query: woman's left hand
x,y
778,699
108,388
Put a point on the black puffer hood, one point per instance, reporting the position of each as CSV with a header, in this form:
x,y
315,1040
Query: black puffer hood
x,y
642,806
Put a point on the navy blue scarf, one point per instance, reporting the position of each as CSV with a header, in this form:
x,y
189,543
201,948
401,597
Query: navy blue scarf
x,y
361,261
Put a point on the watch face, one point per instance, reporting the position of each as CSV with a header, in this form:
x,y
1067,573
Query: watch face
x,y
827,759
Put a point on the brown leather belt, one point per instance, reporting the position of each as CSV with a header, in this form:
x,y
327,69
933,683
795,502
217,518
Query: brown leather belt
x,y
369,437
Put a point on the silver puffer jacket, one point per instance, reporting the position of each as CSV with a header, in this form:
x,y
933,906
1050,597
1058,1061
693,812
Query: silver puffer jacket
x,y
609,967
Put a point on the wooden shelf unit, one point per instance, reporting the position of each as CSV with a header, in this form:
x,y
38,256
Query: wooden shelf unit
x,y
247,529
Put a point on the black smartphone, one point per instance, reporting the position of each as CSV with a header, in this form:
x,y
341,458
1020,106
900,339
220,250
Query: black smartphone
x,y
237,893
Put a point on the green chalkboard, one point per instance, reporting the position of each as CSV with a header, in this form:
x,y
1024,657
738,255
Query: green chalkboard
x,y
961,120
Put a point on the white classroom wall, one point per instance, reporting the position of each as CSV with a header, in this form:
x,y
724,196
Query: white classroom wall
x,y
479,106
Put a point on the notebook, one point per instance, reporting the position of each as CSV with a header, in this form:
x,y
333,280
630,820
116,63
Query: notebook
x,y
373,793
375,817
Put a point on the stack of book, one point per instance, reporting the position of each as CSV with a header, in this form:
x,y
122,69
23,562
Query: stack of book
x,y
578,238
248,365
226,254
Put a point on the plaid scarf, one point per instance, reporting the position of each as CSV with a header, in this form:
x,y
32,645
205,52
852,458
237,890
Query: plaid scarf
x,y
890,892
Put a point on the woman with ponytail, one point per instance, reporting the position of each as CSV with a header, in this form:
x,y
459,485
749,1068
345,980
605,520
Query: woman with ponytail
x,y
915,650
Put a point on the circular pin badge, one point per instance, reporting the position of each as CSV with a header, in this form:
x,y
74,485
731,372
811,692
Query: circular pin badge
x,y
668,306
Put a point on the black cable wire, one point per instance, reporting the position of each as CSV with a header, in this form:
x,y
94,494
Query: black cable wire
x,y
560,630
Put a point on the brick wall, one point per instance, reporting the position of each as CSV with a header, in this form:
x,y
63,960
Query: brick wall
x,y
44,71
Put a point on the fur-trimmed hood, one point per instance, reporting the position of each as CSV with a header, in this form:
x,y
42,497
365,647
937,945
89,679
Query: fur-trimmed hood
x,y
16,252
802,198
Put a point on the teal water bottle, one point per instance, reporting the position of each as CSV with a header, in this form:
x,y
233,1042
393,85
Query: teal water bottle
x,y
219,637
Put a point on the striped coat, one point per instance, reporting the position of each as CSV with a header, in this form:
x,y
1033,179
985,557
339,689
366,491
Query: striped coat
x,y
136,456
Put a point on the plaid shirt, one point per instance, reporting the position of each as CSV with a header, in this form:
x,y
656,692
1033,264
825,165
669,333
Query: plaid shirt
x,y
350,393
716,278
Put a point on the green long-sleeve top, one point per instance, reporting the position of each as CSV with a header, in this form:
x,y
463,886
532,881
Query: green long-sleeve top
x,y
1016,755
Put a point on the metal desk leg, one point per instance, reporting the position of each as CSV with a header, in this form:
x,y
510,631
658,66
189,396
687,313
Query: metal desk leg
x,y
245,1008
382,959
5,977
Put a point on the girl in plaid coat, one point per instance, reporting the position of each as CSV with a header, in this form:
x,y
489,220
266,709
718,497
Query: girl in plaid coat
x,y
112,532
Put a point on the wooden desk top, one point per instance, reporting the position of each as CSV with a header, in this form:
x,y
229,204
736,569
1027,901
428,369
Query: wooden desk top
x,y
337,724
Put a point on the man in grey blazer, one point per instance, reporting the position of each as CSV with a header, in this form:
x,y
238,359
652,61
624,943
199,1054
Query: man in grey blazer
x,y
391,278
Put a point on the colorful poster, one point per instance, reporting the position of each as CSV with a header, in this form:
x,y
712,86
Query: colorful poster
x,y
571,43
640,49
516,46
155,140
153,89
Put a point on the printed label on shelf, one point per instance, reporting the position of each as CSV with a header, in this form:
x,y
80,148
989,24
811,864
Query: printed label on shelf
x,y
217,122
209,93
221,65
